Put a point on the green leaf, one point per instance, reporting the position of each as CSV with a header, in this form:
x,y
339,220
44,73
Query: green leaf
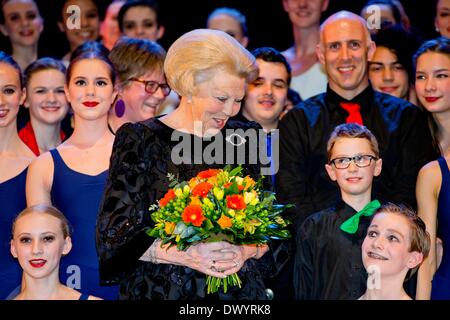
x,y
179,228
186,233
236,171
194,239
232,189
208,224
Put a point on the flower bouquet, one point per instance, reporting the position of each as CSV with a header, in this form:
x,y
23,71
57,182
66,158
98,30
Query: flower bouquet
x,y
215,205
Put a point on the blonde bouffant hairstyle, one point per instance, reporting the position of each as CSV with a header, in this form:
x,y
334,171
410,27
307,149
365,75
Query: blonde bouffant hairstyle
x,y
197,55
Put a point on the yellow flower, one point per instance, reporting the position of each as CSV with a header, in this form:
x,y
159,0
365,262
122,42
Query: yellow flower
x,y
240,215
250,226
218,193
178,238
186,190
178,192
231,212
239,180
208,203
248,197
159,225
169,227
212,180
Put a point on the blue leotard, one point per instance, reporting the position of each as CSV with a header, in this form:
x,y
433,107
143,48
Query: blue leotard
x,y
12,201
78,196
441,280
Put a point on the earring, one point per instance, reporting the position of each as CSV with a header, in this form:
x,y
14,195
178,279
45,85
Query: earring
x,y
119,109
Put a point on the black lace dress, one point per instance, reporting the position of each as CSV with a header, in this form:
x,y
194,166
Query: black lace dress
x,y
140,163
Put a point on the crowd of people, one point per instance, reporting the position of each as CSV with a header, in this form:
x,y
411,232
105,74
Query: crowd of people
x,y
356,117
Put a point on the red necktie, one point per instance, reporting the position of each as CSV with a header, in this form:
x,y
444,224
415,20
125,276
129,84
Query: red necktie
x,y
353,112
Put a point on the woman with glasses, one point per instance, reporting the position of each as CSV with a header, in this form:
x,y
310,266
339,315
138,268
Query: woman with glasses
x,y
142,86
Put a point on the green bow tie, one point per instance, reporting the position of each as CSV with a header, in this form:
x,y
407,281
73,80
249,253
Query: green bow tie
x,y
351,225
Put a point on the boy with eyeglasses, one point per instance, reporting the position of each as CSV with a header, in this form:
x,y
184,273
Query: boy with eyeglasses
x,y
328,263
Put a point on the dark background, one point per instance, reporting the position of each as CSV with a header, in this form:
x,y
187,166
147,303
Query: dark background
x,y
267,22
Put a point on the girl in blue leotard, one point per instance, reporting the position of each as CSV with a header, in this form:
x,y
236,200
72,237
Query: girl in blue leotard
x,y
72,176
40,238
433,183
15,157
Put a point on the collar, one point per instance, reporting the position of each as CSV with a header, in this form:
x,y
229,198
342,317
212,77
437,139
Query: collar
x,y
27,135
343,210
364,99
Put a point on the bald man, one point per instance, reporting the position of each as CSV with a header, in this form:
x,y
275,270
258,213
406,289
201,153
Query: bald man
x,y
401,130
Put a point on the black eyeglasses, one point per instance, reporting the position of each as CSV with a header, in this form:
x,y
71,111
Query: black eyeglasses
x,y
152,86
361,161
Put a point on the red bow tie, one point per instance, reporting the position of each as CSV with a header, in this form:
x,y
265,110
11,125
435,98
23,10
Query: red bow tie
x,y
353,112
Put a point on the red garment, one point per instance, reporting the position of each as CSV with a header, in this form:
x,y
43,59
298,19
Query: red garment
x,y
353,110
26,134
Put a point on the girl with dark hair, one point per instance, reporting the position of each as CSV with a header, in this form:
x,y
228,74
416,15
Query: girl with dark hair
x,y
72,176
22,23
432,63
141,19
80,26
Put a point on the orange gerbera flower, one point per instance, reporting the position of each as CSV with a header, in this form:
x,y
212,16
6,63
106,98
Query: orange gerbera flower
x,y
225,222
236,202
228,184
202,189
207,173
170,195
193,214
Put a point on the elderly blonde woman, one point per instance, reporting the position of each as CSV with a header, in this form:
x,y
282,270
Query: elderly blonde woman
x,y
209,70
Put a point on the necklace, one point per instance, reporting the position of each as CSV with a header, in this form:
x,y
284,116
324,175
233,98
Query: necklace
x,y
110,129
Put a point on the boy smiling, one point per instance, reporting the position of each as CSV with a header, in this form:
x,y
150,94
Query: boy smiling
x,y
328,262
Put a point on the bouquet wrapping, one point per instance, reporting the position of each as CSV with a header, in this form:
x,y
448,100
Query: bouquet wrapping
x,y
215,205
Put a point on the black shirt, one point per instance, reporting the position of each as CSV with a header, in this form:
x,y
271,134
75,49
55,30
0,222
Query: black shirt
x,y
141,159
328,262
400,128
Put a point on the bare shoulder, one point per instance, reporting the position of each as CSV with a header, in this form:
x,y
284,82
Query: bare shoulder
x,y
429,178
431,171
94,298
42,162
40,179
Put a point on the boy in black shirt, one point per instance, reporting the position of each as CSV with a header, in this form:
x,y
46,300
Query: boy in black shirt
x,y
328,263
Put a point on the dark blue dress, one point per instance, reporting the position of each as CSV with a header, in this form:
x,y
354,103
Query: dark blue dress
x,y
12,201
78,196
441,280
